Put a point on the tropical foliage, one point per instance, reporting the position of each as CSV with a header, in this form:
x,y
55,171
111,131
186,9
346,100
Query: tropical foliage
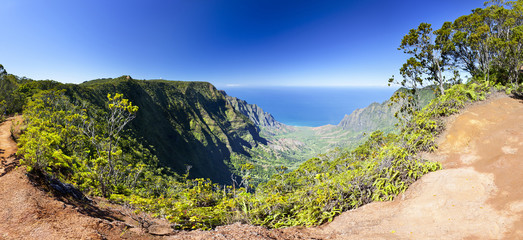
x,y
62,140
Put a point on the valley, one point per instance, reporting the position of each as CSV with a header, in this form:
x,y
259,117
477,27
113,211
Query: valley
x,y
289,146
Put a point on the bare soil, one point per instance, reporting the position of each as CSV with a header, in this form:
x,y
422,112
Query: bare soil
x,y
478,195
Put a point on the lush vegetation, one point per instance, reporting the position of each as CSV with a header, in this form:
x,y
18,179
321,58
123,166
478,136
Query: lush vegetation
x,y
379,169
185,124
182,123
322,187
68,143
86,135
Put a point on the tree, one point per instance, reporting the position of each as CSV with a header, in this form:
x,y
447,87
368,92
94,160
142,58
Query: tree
x,y
15,91
2,111
470,40
489,40
7,88
105,137
2,70
507,37
408,99
429,55
429,51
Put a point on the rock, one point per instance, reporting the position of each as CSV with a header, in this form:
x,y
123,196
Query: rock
x,y
160,230
67,189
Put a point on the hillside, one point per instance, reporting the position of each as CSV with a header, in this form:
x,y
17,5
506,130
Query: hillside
x,y
477,195
374,116
379,116
308,195
185,123
193,125
291,145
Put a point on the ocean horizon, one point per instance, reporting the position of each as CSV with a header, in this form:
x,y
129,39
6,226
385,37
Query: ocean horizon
x,y
310,106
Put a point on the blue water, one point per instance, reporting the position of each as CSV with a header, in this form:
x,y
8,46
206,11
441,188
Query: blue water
x,y
310,106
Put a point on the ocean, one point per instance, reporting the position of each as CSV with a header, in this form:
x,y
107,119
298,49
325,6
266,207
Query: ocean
x,y
311,106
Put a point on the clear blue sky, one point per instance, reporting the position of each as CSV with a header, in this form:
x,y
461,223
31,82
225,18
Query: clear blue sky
x,y
225,42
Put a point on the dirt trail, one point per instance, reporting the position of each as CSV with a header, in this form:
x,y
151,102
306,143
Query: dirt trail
x,y
478,195
7,146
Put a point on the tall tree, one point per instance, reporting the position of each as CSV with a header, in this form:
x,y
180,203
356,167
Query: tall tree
x,y
411,73
2,71
429,54
105,136
507,37
471,49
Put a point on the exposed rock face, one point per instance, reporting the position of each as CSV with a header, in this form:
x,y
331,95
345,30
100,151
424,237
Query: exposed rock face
x,y
256,114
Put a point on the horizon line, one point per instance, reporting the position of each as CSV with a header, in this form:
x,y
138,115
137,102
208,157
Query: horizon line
x,y
305,85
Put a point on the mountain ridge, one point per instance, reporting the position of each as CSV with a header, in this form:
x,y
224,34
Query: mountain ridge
x,y
380,116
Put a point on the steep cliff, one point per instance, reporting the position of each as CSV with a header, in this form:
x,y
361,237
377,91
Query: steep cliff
x,y
253,112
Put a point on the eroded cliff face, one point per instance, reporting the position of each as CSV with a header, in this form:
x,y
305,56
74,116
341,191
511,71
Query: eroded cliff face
x,y
254,113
